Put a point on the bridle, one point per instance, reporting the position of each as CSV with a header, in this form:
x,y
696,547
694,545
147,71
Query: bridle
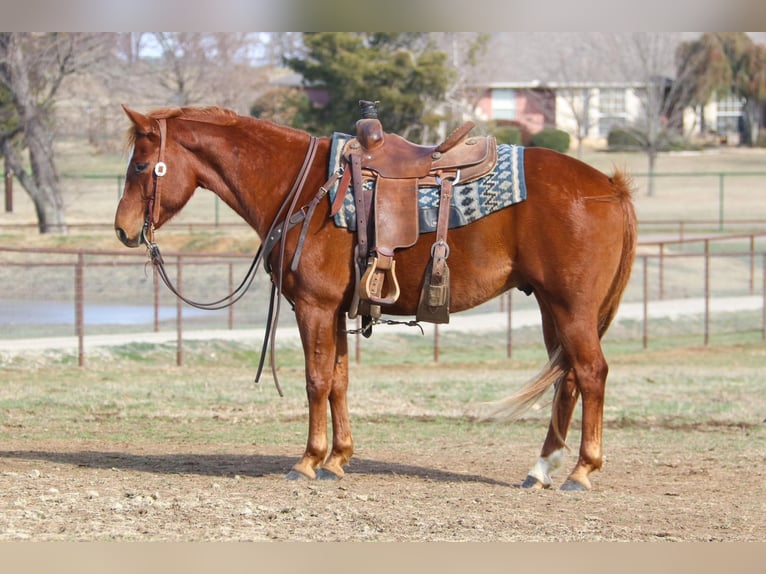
x,y
277,234
153,205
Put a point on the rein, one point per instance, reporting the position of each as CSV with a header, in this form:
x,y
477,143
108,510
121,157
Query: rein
x,y
277,233
147,234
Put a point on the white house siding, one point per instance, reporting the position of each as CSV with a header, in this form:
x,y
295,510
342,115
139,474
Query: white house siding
x,y
599,120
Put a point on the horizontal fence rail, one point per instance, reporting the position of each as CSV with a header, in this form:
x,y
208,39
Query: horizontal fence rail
x,y
720,176
95,276
83,191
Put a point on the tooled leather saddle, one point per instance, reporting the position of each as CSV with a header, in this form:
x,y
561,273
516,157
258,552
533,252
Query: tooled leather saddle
x,y
386,171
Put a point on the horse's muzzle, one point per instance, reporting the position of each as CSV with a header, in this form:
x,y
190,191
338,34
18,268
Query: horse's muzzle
x,y
125,240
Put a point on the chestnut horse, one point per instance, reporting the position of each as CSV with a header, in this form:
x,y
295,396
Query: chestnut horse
x,y
571,243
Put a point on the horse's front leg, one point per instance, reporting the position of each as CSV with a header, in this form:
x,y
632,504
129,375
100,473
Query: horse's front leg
x,y
342,441
319,335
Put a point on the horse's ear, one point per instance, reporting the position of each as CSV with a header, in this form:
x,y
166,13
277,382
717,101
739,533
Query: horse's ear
x,y
143,123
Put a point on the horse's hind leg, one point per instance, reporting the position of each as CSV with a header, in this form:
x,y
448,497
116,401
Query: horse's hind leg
x,y
552,452
554,447
578,334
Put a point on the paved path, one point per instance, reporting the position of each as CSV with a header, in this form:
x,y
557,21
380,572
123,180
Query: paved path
x,y
466,323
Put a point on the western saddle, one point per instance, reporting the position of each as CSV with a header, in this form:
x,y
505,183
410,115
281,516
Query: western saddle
x,y
386,171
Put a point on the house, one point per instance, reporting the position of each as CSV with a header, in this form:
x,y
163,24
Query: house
x,y
588,83
585,108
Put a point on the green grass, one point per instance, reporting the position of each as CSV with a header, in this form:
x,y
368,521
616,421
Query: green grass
x,y
129,394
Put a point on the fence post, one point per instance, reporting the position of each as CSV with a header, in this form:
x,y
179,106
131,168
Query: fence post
x,y
79,315
179,316
707,292
720,201
752,264
645,336
358,345
8,187
510,325
436,343
661,262
231,290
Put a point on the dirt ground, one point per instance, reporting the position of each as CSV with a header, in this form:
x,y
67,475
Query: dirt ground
x,y
65,490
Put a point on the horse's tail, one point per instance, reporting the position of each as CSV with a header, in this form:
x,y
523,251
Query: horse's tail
x,y
624,190
557,367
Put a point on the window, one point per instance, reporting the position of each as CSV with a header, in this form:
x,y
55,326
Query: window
x,y
612,111
503,104
729,114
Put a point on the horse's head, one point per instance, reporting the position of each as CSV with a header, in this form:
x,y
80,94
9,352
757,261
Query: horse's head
x,y
159,179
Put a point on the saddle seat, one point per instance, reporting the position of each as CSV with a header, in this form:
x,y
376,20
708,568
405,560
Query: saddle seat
x,y
390,156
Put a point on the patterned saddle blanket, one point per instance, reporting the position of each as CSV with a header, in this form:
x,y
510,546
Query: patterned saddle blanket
x,y
503,187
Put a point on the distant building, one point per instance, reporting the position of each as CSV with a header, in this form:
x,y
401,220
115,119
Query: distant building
x,y
539,79
600,108
534,107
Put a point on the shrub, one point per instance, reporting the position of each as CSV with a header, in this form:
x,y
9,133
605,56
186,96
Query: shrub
x,y
551,138
623,139
632,139
505,133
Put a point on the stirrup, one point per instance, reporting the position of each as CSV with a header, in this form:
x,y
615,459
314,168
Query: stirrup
x,y
373,280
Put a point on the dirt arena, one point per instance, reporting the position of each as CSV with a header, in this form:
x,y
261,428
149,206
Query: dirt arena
x,y
659,484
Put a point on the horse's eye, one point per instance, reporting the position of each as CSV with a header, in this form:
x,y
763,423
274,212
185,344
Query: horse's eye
x,y
141,167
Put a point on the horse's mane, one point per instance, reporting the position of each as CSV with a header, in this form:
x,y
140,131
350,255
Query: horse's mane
x,y
209,114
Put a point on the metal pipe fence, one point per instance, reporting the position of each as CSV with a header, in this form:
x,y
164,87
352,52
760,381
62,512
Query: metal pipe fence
x,y
720,176
708,269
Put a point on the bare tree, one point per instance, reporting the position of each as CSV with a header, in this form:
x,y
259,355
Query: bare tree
x,y
192,68
465,51
575,67
647,58
32,69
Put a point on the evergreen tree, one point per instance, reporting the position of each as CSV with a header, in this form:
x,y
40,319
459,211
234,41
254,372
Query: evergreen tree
x,y
403,71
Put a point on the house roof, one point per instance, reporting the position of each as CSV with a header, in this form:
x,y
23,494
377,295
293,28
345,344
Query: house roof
x,y
566,59
555,59
542,59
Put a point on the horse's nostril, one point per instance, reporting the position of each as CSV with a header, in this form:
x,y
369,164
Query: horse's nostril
x,y
122,236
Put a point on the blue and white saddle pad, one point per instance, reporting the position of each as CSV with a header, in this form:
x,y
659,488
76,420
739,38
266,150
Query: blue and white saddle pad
x,y
503,187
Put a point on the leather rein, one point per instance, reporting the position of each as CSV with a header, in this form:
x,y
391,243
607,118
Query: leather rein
x,y
277,234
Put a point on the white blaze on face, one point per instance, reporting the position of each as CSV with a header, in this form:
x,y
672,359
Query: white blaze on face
x,y
546,466
130,158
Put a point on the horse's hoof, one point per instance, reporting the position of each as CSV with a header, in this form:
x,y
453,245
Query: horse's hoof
x,y
295,475
533,483
574,486
324,474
